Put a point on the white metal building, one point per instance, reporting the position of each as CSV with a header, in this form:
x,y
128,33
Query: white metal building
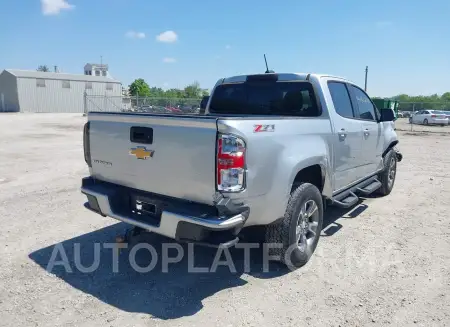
x,y
96,70
33,91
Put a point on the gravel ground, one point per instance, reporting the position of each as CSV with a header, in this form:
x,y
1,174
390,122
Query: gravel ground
x,y
385,262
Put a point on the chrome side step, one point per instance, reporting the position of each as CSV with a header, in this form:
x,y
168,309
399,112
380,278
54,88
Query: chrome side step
x,y
348,201
369,189
350,197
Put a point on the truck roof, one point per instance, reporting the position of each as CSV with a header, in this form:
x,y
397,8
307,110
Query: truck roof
x,y
281,77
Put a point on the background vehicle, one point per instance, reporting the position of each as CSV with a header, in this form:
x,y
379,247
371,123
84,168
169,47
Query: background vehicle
x,y
447,114
270,152
174,109
429,117
406,114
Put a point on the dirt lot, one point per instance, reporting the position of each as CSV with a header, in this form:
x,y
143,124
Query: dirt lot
x,y
386,262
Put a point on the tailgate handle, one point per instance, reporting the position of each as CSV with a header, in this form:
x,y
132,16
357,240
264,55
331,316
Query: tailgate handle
x,y
141,135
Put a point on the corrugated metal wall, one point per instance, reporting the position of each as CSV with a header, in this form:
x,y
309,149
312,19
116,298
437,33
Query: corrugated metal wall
x,y
56,98
9,100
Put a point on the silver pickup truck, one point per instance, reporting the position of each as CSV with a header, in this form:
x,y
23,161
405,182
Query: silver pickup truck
x,y
269,152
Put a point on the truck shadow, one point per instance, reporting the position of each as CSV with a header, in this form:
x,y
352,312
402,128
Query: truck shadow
x,y
165,295
332,214
170,294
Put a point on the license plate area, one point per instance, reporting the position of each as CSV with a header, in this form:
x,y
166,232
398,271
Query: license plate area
x,y
146,209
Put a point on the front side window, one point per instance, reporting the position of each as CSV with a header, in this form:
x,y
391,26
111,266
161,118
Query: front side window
x,y
265,97
341,99
365,106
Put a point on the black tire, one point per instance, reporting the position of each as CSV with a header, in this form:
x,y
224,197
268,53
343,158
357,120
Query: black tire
x,y
285,232
425,121
387,176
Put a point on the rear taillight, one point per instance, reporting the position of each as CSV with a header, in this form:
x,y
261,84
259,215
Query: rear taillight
x,y
433,116
230,163
86,144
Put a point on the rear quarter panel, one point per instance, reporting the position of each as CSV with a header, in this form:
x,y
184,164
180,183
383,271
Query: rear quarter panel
x,y
273,159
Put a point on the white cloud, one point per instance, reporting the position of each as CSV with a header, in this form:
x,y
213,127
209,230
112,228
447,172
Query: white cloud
x,y
228,47
54,7
168,60
167,37
383,24
135,35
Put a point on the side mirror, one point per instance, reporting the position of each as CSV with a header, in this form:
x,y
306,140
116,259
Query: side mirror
x,y
203,104
387,114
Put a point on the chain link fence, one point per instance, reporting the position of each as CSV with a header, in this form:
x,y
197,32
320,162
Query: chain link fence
x,y
415,106
141,104
404,122
416,117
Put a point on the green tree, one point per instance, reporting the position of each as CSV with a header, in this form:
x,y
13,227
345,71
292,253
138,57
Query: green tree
x,y
139,87
446,97
156,92
174,93
193,90
43,68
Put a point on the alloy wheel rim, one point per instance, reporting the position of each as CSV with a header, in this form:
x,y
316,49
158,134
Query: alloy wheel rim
x,y
307,225
392,172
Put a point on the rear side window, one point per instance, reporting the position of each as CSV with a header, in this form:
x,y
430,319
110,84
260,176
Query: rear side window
x,y
365,106
265,98
341,99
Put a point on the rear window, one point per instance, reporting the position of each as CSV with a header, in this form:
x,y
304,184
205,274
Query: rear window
x,y
265,98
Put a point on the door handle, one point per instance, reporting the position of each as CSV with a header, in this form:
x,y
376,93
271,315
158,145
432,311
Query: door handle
x,y
141,135
366,132
342,134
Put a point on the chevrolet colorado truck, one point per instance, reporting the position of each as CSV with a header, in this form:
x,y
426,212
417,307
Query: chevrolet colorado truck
x,y
270,151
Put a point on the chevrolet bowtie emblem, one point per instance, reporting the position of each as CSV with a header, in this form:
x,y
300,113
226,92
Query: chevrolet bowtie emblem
x,y
141,152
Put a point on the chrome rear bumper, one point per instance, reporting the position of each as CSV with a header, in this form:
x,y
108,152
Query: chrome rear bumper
x,y
176,221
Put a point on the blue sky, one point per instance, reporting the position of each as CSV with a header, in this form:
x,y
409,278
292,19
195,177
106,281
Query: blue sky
x,y
405,43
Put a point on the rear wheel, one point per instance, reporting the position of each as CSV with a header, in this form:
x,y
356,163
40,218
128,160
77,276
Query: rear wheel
x,y
299,231
425,121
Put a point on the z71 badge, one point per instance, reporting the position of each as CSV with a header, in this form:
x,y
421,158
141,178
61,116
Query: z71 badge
x,y
263,128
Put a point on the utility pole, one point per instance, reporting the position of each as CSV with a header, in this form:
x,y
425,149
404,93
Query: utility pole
x,y
365,84
101,61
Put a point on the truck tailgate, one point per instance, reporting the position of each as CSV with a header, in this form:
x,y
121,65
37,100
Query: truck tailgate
x,y
168,155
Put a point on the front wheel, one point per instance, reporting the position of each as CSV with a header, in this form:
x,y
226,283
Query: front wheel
x,y
387,176
298,233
